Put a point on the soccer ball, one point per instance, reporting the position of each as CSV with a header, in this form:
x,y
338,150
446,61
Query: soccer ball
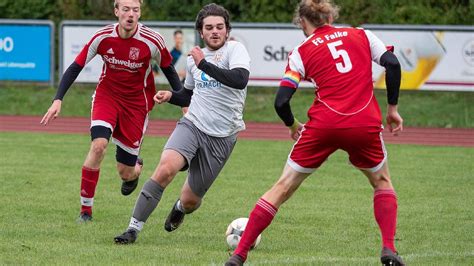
x,y
234,233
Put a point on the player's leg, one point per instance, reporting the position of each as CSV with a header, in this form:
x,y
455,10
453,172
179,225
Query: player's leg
x,y
204,168
128,136
179,150
129,167
309,152
170,163
367,152
265,210
187,203
385,212
91,168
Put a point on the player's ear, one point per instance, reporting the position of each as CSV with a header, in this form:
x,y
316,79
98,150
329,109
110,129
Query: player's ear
x,y
116,12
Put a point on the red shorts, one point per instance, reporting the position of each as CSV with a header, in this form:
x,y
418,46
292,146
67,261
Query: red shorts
x,y
127,121
363,144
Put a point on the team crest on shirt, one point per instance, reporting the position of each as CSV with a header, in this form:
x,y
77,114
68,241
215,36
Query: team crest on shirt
x,y
218,56
134,53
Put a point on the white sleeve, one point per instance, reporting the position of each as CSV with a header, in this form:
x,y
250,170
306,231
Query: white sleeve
x,y
189,80
239,57
295,63
377,47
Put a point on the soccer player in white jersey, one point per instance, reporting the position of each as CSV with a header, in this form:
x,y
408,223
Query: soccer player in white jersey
x,y
215,89
122,99
344,115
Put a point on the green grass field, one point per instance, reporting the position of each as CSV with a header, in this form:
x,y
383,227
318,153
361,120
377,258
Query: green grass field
x,y
329,221
418,108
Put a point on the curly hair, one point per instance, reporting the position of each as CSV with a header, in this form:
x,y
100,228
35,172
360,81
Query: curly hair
x,y
317,12
212,10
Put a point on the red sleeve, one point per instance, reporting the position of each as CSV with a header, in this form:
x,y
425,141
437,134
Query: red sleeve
x,y
166,58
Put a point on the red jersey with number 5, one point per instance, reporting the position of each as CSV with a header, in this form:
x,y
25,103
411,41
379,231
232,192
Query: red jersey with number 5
x,y
338,61
127,62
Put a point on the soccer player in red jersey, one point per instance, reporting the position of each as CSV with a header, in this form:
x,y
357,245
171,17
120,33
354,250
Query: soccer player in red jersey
x,y
344,115
123,96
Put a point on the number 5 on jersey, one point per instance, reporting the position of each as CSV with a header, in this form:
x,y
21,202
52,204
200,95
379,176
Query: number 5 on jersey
x,y
346,64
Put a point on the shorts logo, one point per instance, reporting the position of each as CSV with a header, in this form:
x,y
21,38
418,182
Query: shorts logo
x,y
134,53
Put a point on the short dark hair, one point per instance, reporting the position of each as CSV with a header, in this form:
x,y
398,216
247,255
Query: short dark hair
x,y
212,10
178,31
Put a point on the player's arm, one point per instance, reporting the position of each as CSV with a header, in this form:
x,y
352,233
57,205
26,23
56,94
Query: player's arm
x,y
393,75
236,78
69,76
383,56
182,97
67,79
283,109
172,77
392,81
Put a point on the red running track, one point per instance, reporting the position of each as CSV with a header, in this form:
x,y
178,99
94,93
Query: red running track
x,y
462,137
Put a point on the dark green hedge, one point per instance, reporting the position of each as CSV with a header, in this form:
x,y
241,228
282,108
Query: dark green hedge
x,y
353,12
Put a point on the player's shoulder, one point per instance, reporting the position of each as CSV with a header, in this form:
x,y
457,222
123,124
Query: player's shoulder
x,y
106,30
235,46
234,43
151,35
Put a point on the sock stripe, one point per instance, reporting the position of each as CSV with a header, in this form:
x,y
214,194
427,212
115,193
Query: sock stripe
x,y
267,206
90,169
385,192
89,202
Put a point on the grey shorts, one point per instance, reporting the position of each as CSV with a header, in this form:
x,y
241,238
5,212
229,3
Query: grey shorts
x,y
206,155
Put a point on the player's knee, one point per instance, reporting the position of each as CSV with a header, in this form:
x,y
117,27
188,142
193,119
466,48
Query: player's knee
x,y
99,146
164,174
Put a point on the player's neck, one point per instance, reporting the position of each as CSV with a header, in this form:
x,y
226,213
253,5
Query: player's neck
x,y
125,34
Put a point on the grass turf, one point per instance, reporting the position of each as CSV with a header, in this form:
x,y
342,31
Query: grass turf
x,y
329,220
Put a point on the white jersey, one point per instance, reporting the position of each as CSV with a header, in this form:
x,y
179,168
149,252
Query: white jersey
x,y
215,108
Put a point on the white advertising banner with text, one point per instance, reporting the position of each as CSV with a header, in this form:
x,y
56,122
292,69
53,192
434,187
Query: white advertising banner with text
x,y
430,60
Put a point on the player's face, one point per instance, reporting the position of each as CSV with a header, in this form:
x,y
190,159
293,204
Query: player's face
x,y
128,12
214,33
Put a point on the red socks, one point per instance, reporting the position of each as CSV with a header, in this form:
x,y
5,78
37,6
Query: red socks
x,y
89,180
260,218
385,211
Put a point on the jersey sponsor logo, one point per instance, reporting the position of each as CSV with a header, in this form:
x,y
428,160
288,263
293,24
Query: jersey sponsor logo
x,y
127,63
134,53
110,51
204,76
207,82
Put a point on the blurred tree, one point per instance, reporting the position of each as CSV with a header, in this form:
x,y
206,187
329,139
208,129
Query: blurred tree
x,y
353,12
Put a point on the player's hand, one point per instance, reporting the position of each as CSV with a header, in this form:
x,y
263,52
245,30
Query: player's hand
x,y
197,54
52,113
295,130
162,96
394,120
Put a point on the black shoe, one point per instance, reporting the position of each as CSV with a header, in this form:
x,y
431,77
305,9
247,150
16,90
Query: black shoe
x,y
129,186
128,237
174,219
391,258
84,217
234,260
